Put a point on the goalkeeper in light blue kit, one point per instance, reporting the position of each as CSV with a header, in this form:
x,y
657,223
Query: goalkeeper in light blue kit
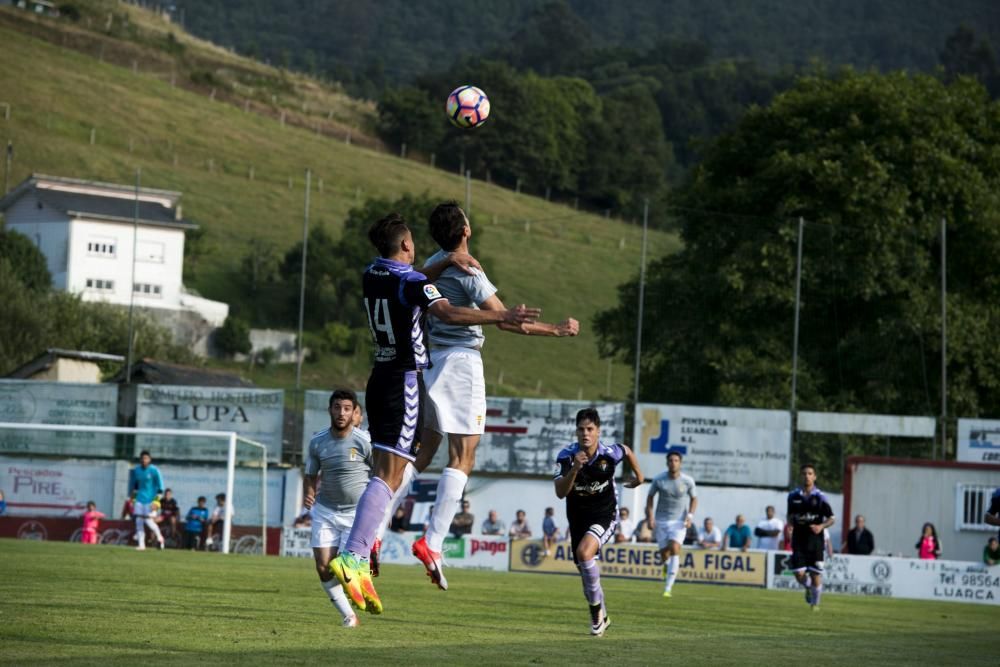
x,y
145,486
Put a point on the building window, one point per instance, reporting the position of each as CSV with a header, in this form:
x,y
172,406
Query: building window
x,y
100,285
149,251
101,247
146,289
971,503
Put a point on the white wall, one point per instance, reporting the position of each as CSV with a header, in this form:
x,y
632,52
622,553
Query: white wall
x,y
896,500
166,273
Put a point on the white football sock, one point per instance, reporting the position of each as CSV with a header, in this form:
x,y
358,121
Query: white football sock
x,y
140,530
156,529
397,498
449,493
672,566
337,596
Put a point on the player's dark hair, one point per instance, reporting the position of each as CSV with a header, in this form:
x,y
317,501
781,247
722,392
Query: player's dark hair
x,y
588,414
343,395
807,465
220,496
387,233
675,452
447,223
202,499
145,452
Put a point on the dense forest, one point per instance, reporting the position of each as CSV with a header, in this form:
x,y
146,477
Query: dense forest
x,y
397,41
606,105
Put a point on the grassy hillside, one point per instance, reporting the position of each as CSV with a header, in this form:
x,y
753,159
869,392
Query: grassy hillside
x,y
567,262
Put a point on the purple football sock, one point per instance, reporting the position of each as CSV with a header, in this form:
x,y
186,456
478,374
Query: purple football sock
x,y
371,509
817,593
591,575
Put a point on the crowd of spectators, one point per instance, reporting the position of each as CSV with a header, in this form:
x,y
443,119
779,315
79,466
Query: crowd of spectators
x,y
200,528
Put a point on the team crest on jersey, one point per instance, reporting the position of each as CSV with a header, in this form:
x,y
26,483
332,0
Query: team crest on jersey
x,y
479,420
431,292
354,454
603,465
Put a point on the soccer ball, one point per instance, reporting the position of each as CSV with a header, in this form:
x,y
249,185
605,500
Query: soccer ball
x,y
467,107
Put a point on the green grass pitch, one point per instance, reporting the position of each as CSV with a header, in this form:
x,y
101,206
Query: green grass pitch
x,y
69,603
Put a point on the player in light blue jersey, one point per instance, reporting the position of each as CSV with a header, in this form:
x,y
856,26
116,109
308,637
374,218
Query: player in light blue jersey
x,y
337,469
145,485
454,382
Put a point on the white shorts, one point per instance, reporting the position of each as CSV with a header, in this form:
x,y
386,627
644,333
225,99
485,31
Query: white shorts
x,y
456,391
670,531
329,528
143,510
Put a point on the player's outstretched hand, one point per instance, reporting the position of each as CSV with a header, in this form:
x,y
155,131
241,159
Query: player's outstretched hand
x,y
568,327
465,262
522,315
632,482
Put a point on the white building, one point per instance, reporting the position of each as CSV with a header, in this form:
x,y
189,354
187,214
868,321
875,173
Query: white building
x,y
87,232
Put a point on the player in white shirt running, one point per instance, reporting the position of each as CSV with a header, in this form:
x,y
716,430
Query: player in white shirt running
x,y
456,389
673,514
340,459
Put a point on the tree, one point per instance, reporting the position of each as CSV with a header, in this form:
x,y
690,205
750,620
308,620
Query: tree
x,y
873,163
37,320
233,337
964,55
26,261
408,116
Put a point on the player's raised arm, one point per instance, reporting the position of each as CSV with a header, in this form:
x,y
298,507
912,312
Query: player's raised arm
x,y
633,462
460,260
568,327
450,314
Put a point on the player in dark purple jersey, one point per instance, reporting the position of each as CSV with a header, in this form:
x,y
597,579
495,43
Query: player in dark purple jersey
x,y
396,299
585,478
809,514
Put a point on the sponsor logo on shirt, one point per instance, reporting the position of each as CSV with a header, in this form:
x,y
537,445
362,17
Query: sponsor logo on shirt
x,y
431,292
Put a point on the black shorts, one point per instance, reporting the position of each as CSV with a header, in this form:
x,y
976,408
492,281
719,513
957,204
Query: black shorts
x,y
806,560
394,401
601,526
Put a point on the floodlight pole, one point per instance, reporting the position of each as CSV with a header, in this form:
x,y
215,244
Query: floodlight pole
x,y
468,192
944,339
795,334
131,299
642,299
302,284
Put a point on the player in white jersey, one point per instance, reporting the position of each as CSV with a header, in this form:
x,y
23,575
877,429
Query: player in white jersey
x,y
673,514
456,389
340,459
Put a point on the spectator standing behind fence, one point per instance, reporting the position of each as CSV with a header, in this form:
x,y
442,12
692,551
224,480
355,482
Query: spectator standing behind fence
x,y
860,541
550,532
709,536
492,525
463,521
737,535
91,522
169,511
626,526
768,530
194,524
3,504
991,552
217,520
992,516
520,527
929,546
644,532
